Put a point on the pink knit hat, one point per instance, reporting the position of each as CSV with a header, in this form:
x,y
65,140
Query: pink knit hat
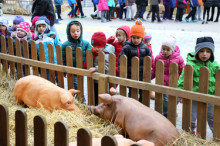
x,y
25,26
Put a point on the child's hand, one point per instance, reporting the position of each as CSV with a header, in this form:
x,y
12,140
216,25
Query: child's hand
x,y
92,70
112,38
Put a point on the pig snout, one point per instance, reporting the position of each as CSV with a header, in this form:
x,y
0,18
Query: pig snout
x,y
93,109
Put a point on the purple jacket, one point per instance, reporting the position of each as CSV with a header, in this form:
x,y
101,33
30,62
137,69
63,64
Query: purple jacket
x,y
175,57
166,2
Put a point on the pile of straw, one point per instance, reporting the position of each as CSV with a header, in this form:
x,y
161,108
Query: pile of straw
x,y
74,120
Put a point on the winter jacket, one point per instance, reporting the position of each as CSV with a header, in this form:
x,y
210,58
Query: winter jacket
x,y
121,1
71,2
151,51
216,3
166,2
107,50
129,2
58,2
193,3
131,50
173,58
11,29
155,2
111,3
141,2
103,5
44,8
75,44
180,4
173,4
207,3
118,47
197,64
48,38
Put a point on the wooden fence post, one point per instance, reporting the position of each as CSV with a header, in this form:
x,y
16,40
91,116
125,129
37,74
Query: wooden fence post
x,y
11,52
69,62
101,63
109,140
61,134
84,137
4,50
4,125
135,76
172,100
123,73
90,81
51,60
34,57
216,121
112,68
18,53
103,84
147,64
40,131
160,81
79,64
43,73
187,103
26,55
202,107
21,138
60,62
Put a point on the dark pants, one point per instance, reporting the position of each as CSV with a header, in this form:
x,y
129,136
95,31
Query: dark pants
x,y
166,14
171,13
218,13
143,9
122,10
165,105
79,6
112,12
58,11
94,5
179,14
206,9
108,15
72,12
139,7
192,13
155,10
213,11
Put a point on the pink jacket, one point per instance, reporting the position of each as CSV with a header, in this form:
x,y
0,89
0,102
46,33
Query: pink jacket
x,y
175,57
103,5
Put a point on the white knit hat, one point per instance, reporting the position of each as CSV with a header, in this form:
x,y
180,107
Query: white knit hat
x,y
170,41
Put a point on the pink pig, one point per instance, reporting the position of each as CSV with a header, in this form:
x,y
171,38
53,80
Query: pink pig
x,y
137,120
38,92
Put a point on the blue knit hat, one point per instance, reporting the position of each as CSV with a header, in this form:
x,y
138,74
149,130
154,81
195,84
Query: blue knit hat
x,y
18,19
147,36
43,20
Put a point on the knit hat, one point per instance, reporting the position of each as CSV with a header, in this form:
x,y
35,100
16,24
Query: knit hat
x,y
137,29
3,21
18,19
34,20
205,42
43,20
98,40
147,36
126,29
169,41
25,26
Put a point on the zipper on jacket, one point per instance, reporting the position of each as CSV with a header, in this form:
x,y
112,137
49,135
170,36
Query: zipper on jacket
x,y
138,52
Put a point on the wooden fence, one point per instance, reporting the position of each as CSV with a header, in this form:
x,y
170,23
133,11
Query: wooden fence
x,y
110,80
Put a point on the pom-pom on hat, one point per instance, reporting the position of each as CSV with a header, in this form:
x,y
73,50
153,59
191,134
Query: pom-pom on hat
x,y
18,19
98,40
147,36
169,41
137,29
3,21
205,42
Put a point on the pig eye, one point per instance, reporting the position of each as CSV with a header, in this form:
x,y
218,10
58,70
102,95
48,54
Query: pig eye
x,y
69,102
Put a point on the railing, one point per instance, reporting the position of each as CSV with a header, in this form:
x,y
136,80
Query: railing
x,y
202,97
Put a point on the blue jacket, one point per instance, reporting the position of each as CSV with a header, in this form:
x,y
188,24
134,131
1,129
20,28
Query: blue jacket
x,y
121,1
48,38
58,2
194,3
71,2
173,4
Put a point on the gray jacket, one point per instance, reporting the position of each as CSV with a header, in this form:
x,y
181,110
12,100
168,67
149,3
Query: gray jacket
x,y
155,2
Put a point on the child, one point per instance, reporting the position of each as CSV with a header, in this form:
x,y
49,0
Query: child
x,y
181,4
4,29
122,35
207,4
130,5
58,4
135,47
98,42
44,35
166,15
155,10
74,32
169,53
17,20
122,9
72,3
79,6
33,26
22,33
103,7
111,5
203,56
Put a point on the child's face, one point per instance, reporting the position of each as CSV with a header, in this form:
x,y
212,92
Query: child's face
x,y
121,38
75,31
41,28
204,54
166,51
15,25
21,33
147,42
3,28
98,49
136,40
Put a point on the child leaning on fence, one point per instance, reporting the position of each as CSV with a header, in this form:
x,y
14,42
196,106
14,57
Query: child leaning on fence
x,y
4,30
44,35
74,32
203,56
135,48
169,53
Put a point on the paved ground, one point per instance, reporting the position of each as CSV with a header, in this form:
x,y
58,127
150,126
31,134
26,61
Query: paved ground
x,y
185,33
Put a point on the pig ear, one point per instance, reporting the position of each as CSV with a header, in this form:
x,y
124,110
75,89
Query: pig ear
x,y
73,91
105,98
113,91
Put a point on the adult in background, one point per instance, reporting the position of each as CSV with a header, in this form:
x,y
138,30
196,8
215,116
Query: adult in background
x,y
58,4
216,3
79,6
45,8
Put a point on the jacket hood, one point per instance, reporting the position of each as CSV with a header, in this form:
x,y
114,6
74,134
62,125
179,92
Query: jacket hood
x,y
175,53
69,38
126,29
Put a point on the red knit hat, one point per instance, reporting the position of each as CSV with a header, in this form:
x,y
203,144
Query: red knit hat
x,y
98,40
137,29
